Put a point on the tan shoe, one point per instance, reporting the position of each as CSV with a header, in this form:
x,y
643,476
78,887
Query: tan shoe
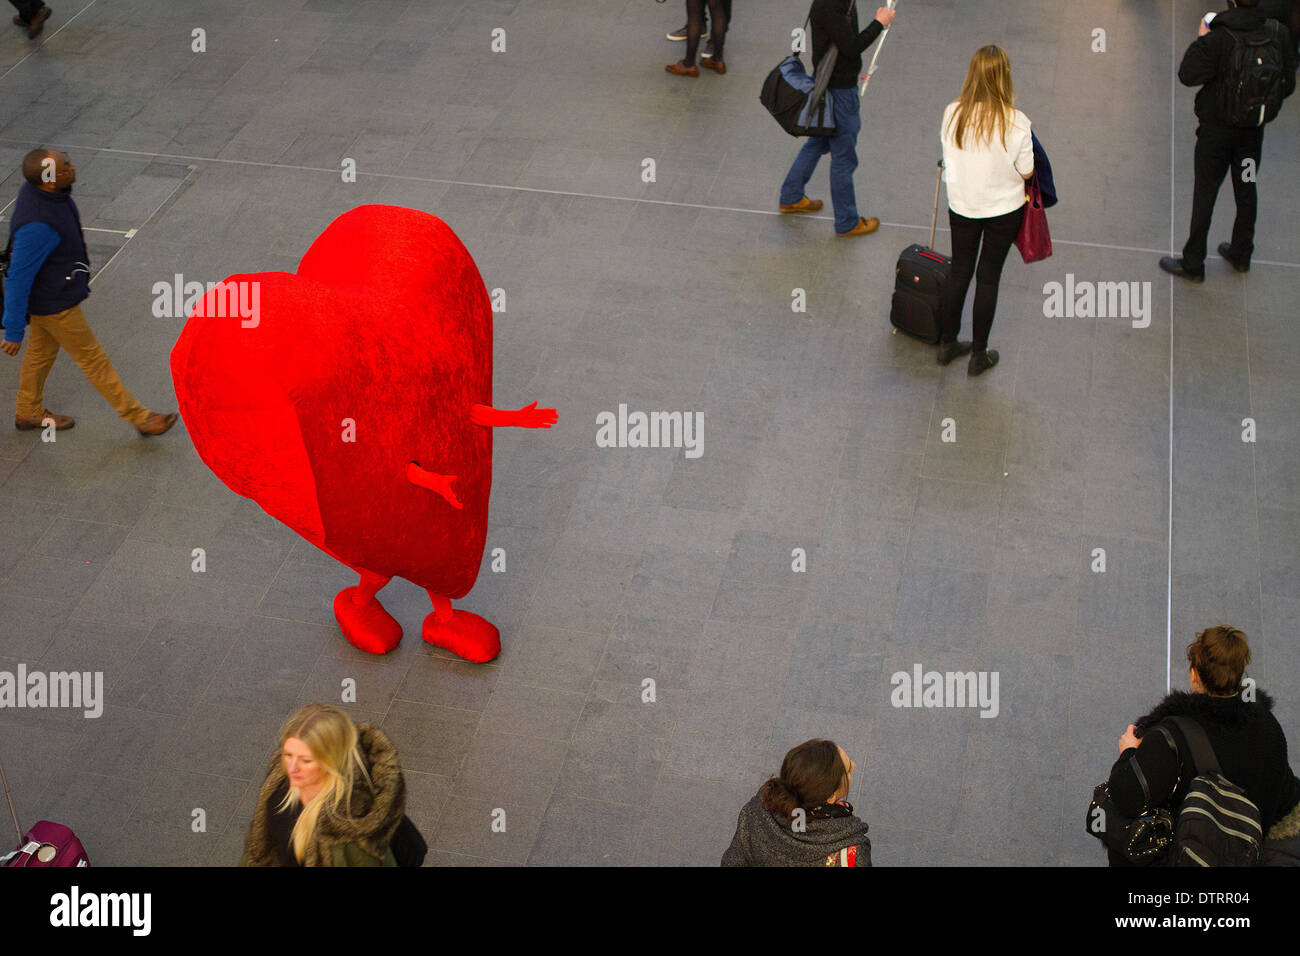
x,y
803,205
863,227
681,69
157,423
717,66
60,422
38,22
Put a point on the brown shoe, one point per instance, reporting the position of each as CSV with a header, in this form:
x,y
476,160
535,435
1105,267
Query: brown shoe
x,y
681,69
863,227
716,66
157,423
60,422
38,22
803,205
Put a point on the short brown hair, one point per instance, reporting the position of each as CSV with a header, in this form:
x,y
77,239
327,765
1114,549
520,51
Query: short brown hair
x,y
1220,655
810,773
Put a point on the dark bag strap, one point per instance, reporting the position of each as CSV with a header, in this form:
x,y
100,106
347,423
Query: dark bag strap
x,y
1142,778
1203,757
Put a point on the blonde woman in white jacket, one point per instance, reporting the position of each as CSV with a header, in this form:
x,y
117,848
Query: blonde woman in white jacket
x,y
988,154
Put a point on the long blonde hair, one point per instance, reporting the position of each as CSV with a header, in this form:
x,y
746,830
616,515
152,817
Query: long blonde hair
x,y
331,737
987,98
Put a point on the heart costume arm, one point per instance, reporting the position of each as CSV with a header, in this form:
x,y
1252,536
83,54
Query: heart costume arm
x,y
441,484
530,416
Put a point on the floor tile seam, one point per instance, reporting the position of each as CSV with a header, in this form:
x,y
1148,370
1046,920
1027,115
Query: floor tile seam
x,y
570,193
687,691
181,183
916,504
1006,433
1254,473
1173,166
465,856
232,816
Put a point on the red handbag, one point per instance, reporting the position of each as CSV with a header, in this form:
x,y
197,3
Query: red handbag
x,y
1034,239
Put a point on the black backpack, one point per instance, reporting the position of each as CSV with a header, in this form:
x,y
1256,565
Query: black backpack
x,y
1250,90
1216,824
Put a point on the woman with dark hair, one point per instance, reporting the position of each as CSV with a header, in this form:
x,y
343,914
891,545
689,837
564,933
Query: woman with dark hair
x,y
801,817
1247,739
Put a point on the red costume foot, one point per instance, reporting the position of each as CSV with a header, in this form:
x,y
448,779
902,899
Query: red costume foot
x,y
367,625
465,634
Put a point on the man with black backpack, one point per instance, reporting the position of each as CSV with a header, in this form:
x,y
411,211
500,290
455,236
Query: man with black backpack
x,y
1245,64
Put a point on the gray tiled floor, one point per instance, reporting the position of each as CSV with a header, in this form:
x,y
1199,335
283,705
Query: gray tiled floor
x,y
822,432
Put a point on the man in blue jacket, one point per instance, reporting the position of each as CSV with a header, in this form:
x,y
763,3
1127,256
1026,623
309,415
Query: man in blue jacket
x,y
48,278
1232,72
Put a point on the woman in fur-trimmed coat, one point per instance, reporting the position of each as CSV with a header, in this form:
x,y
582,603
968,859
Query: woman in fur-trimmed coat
x,y
1248,741
333,796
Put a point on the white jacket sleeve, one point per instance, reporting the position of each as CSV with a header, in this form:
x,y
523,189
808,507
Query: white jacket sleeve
x,y
1024,161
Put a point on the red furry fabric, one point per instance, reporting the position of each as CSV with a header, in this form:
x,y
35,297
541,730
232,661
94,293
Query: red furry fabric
x,y
386,323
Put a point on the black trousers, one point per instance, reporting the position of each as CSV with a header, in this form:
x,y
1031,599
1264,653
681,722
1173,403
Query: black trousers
x,y
1221,150
998,233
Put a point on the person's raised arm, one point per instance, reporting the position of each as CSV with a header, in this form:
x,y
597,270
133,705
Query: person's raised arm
x,y
1200,62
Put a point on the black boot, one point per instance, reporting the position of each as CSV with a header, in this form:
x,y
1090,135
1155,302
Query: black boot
x,y
951,350
981,362
1225,250
1174,266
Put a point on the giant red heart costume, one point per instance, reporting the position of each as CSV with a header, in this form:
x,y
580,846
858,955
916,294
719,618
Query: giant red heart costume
x,y
355,407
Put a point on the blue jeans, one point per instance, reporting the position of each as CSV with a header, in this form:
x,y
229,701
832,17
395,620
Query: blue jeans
x,y
843,147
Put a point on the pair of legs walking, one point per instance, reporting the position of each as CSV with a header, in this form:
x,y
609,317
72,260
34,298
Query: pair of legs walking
x,y
843,147
32,14
69,331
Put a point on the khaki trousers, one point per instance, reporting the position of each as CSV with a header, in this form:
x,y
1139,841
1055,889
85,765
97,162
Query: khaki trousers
x,y
68,330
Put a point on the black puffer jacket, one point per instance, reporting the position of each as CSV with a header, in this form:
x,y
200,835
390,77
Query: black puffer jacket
x,y
1208,58
764,839
1248,742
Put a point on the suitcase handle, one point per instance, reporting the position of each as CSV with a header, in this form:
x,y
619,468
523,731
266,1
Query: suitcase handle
x,y
934,216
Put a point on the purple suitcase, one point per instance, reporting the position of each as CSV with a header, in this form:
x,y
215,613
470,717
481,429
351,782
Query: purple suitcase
x,y
46,844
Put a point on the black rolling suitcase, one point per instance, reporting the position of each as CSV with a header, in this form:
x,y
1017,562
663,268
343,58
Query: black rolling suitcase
x,y
921,280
